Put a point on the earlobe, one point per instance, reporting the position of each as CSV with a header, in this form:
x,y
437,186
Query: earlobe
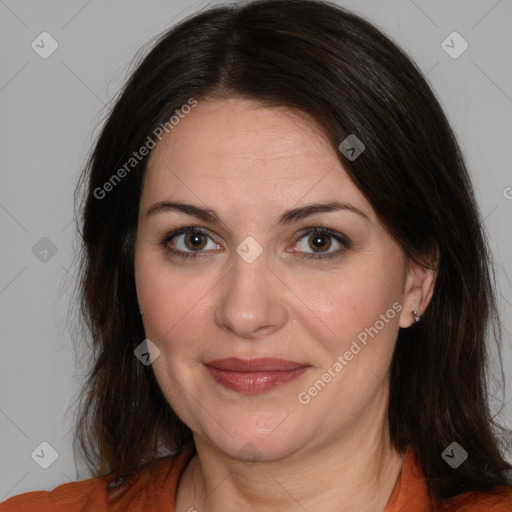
x,y
416,316
418,290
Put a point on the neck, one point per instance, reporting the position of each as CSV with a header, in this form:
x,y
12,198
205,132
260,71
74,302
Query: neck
x,y
346,476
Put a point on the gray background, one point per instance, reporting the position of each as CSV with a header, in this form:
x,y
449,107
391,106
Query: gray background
x,y
50,111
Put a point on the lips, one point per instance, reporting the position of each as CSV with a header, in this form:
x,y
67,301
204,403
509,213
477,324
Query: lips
x,y
254,375
254,365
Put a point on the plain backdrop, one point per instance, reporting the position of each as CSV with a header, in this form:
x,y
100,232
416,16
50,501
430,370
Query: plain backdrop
x,y
51,110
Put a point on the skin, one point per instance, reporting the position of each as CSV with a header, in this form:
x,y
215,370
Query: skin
x,y
250,164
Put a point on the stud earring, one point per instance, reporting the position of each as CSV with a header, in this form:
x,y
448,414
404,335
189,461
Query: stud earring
x,y
416,316
140,311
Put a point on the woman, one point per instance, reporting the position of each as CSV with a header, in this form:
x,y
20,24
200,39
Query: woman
x,y
286,280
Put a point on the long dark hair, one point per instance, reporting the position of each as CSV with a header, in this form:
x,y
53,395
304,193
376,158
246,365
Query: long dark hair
x,y
340,70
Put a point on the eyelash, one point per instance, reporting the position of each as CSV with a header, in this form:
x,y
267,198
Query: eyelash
x,y
186,255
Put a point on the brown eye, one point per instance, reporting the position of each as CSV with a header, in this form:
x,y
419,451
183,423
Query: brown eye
x,y
195,240
188,242
319,242
315,243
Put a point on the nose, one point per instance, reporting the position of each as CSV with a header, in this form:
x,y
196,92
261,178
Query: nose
x,y
252,300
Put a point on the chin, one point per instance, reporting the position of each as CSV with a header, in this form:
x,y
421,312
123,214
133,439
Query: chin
x,y
264,443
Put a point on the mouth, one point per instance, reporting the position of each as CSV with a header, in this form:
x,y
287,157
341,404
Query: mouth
x,y
254,375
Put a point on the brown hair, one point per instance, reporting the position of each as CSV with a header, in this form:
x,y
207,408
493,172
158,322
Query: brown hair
x,y
319,59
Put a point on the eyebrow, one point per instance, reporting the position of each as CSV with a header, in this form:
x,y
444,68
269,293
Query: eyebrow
x,y
288,217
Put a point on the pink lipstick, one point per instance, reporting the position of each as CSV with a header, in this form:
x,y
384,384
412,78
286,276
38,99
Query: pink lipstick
x,y
254,375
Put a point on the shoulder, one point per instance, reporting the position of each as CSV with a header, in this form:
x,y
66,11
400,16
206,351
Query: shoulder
x,y
108,493
69,496
412,493
497,499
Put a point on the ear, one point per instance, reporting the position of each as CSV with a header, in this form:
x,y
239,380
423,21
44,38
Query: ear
x,y
418,288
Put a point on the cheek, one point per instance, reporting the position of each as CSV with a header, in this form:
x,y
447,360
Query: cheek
x,y
168,304
174,304
359,305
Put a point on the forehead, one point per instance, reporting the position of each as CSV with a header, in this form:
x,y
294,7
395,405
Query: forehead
x,y
242,152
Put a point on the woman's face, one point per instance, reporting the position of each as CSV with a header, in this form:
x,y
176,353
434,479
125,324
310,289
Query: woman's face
x,y
255,289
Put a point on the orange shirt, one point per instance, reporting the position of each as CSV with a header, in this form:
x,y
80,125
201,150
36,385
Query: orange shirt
x,y
156,493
